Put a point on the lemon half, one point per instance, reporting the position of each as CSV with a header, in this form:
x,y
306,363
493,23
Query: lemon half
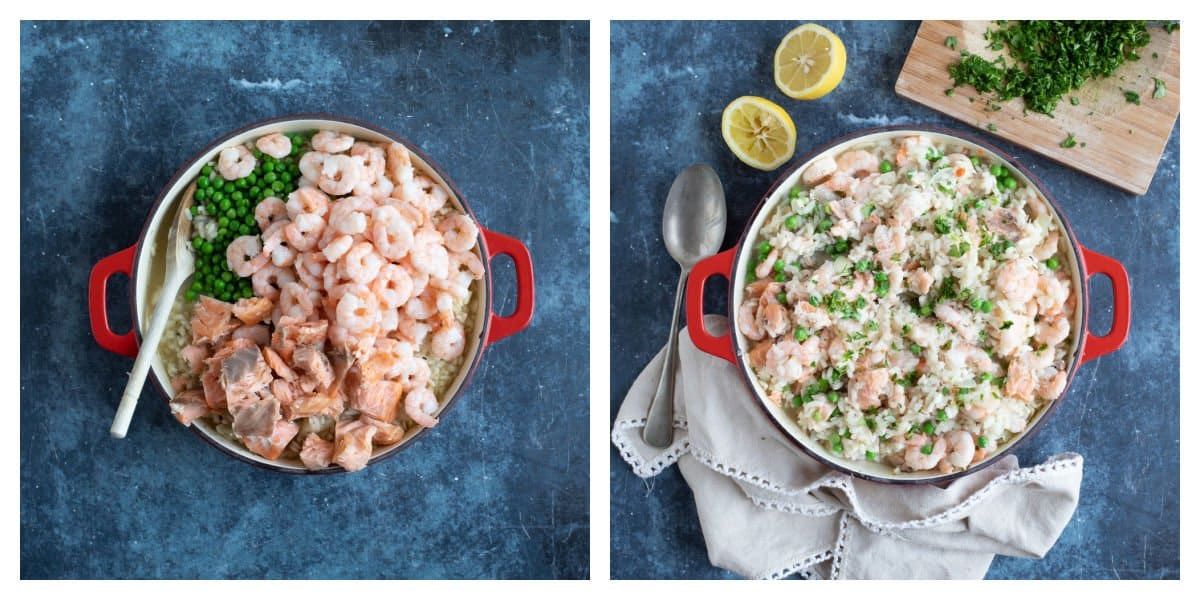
x,y
809,62
759,132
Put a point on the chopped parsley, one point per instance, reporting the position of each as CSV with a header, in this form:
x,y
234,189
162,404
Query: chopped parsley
x,y
1160,88
1069,142
1049,58
1132,97
951,42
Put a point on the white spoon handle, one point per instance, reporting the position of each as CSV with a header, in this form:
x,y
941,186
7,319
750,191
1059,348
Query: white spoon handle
x,y
141,366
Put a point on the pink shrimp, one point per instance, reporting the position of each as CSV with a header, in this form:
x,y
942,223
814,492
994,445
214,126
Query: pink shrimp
x,y
391,232
1017,280
235,162
245,255
917,459
819,170
268,280
448,341
428,254
275,243
458,232
357,311
339,175
399,164
962,448
311,165
857,163
297,301
331,142
337,248
275,145
361,263
307,200
304,231
419,405
393,285
470,260
372,158
270,210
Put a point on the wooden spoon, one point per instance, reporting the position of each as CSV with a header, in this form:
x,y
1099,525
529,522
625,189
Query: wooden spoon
x,y
181,264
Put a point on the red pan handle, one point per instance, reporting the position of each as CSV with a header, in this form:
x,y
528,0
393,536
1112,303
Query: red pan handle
x,y
721,264
1095,346
497,244
121,262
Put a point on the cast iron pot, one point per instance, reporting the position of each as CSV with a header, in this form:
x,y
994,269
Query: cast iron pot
x,y
143,264
734,263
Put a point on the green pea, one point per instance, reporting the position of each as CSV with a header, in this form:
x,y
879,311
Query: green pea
x,y
781,297
801,334
236,196
241,184
228,187
206,247
995,170
927,449
225,204
190,295
835,443
915,349
1052,263
942,416
870,455
986,306
792,222
975,161
925,311
277,186
824,225
781,277
227,276
222,222
764,248
206,170
794,193
269,178
202,183
885,166
982,442
1010,183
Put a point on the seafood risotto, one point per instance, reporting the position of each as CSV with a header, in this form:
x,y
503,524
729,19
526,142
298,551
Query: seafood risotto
x,y
331,301
910,303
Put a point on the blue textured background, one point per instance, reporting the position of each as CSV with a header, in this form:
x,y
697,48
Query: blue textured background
x,y
109,111
670,82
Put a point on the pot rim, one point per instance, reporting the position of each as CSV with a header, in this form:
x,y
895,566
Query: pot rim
x,y
1078,271
470,367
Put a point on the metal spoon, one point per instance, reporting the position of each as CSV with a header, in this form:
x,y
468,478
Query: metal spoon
x,y
693,228
181,264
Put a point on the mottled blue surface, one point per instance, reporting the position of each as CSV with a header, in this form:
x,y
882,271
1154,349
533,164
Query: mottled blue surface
x,y
497,490
670,82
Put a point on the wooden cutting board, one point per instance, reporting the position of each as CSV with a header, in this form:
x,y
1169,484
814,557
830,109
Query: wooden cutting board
x,y
1118,142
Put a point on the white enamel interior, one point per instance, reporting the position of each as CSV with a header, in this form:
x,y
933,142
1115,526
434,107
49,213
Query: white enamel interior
x,y
151,265
743,344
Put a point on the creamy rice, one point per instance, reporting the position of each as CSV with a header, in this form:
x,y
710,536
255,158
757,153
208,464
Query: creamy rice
x,y
912,304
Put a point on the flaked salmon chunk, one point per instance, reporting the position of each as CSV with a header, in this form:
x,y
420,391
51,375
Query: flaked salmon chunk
x,y
189,405
316,403
194,355
244,372
252,311
291,333
255,414
270,447
386,434
352,444
313,367
212,320
316,452
276,363
380,399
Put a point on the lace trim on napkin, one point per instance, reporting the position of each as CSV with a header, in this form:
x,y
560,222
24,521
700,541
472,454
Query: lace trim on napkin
x,y
666,458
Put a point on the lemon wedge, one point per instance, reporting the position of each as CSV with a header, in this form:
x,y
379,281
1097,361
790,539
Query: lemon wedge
x,y
759,132
809,62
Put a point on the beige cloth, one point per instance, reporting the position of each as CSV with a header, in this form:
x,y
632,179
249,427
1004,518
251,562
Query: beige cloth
x,y
768,511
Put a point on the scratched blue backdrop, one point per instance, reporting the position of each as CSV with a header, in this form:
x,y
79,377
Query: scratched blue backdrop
x,y
670,82
110,110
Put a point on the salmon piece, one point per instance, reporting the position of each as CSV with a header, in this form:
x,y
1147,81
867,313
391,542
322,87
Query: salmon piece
x,y
189,405
380,400
182,382
252,311
276,363
244,373
255,414
352,444
212,320
194,355
386,434
313,367
214,394
286,394
316,453
291,333
317,403
259,334
270,447
228,349
341,363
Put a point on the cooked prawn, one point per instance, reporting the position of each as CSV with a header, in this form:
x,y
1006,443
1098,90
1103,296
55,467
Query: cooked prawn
x,y
275,145
419,405
245,255
458,232
339,174
270,210
331,142
235,162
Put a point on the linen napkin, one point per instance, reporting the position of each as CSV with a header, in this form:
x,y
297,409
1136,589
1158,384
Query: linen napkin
x,y
768,511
